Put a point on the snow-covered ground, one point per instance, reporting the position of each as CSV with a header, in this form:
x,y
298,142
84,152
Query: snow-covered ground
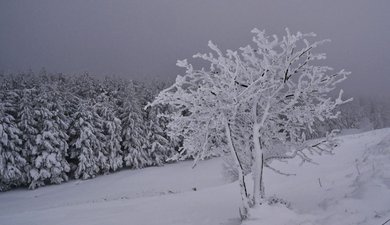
x,y
157,195
350,187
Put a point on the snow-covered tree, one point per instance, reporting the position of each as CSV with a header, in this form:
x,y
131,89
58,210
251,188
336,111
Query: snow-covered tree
x,y
84,86
12,162
86,147
273,91
159,145
79,126
49,164
28,125
134,134
111,134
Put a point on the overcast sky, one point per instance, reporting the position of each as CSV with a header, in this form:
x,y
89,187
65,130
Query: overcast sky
x,y
144,38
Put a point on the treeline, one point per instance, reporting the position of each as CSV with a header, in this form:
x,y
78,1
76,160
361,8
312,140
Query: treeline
x,y
55,127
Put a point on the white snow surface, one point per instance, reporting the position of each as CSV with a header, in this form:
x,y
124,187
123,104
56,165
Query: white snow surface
x,y
355,189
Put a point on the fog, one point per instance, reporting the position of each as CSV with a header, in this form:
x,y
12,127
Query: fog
x,y
143,39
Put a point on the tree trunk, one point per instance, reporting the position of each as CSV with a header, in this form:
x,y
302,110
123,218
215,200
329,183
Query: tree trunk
x,y
257,168
258,156
241,178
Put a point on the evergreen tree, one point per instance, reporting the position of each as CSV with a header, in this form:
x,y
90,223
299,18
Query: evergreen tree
x,y
134,141
12,162
159,145
111,128
85,145
78,126
49,164
28,125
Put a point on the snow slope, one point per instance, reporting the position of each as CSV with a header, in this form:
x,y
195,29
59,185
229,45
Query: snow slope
x,y
157,195
351,187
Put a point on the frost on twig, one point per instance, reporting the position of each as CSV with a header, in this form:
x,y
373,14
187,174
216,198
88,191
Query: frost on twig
x,y
256,104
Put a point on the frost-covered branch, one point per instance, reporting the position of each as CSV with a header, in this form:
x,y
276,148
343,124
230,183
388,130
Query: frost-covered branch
x,y
270,93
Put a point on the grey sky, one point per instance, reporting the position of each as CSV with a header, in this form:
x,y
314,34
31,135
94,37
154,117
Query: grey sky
x,y
144,38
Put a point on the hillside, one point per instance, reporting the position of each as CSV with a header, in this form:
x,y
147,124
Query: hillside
x,y
350,187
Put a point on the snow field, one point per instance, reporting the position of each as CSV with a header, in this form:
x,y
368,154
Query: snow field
x,y
350,187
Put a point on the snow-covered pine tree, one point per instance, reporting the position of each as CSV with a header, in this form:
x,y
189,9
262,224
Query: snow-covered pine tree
x,y
86,147
108,109
159,146
12,162
100,151
49,165
134,139
28,125
112,131
111,134
273,87
84,86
